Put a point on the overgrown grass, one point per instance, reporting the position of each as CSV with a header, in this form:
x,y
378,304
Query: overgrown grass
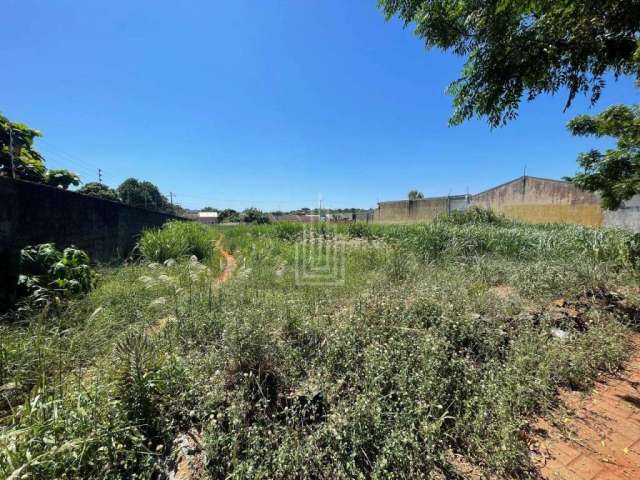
x,y
178,239
438,340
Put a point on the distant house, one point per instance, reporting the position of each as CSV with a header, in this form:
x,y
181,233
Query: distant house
x,y
208,217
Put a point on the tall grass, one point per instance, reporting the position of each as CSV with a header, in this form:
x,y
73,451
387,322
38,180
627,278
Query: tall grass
x,y
419,352
178,239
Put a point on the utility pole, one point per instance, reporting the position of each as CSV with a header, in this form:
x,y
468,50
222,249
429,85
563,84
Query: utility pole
x,y
13,165
99,175
171,194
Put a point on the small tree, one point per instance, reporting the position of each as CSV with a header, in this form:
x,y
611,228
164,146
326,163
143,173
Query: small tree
x,y
61,178
143,194
415,195
253,215
100,190
616,172
17,139
228,215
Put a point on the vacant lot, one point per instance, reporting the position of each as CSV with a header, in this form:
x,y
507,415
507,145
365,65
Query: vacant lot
x,y
430,359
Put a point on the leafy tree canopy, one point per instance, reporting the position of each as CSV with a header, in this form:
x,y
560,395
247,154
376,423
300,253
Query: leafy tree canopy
x,y
616,172
61,178
179,210
415,195
28,163
519,49
100,190
317,211
143,194
253,215
228,215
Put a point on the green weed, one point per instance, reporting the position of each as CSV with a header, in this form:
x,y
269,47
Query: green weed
x,y
439,339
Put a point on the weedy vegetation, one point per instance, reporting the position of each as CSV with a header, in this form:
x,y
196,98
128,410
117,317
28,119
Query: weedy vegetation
x,y
441,340
177,239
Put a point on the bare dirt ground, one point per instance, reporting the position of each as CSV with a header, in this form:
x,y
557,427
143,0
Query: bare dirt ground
x,y
600,439
230,263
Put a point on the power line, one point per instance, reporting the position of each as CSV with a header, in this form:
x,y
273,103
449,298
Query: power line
x,y
79,164
82,161
64,161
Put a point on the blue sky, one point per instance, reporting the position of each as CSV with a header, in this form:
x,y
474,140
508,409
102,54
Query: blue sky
x,y
264,103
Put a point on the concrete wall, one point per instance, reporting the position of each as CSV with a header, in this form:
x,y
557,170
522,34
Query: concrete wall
x,y
32,213
539,200
627,216
527,199
418,211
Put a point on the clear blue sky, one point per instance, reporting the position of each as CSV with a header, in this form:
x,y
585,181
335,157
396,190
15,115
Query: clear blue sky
x,y
262,102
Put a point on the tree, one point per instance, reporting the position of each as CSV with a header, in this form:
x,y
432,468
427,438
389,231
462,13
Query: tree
x,y
615,173
209,209
228,215
179,210
61,178
415,195
142,194
253,215
100,190
519,49
27,162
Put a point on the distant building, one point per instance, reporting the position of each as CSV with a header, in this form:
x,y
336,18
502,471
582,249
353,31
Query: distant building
x,y
526,199
208,217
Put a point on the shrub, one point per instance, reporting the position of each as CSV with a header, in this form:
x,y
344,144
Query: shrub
x,y
47,272
474,214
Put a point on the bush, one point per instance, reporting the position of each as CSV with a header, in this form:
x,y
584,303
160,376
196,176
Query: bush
x,y
475,215
47,272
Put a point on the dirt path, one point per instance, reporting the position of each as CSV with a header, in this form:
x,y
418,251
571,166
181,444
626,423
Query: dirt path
x,y
230,262
601,440
190,463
